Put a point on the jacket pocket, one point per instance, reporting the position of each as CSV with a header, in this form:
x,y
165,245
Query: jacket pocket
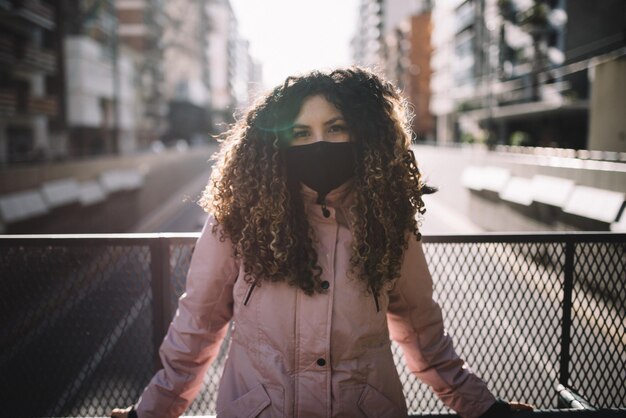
x,y
374,404
249,405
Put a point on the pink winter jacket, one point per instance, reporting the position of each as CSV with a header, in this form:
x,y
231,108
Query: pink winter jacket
x,y
293,355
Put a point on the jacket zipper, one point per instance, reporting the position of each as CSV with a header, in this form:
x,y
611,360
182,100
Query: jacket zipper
x,y
321,200
325,210
376,301
249,293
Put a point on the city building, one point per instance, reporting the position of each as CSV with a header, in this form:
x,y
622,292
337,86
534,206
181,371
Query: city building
x,y
81,78
520,72
255,79
377,19
367,43
247,80
187,70
460,65
31,117
235,77
140,27
100,90
393,38
222,48
408,65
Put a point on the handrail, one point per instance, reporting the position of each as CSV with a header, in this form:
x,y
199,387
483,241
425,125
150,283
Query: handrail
x,y
495,237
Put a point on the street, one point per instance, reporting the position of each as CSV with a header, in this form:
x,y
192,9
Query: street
x,y
181,213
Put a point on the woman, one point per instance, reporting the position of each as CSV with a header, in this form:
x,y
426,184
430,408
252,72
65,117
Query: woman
x,y
313,248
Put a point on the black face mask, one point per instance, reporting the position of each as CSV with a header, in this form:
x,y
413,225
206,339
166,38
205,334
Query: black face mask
x,y
322,165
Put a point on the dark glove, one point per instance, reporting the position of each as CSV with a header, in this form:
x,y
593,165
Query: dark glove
x,y
499,409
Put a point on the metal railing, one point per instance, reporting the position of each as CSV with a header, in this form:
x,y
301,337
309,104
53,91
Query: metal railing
x,y
540,317
539,153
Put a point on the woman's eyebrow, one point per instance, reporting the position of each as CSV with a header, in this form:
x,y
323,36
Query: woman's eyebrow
x,y
328,122
333,120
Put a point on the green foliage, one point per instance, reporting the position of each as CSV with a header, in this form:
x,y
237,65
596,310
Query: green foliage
x,y
467,138
519,138
536,16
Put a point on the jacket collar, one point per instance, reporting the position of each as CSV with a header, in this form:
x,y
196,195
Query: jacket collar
x,y
342,196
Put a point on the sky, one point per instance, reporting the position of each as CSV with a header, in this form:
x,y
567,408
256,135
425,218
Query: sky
x,y
291,36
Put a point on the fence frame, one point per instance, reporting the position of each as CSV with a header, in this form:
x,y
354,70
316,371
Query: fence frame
x,y
160,269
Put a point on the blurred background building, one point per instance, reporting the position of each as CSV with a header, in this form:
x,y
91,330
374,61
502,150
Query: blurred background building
x,y
101,98
93,77
141,28
527,76
510,72
516,102
394,37
32,117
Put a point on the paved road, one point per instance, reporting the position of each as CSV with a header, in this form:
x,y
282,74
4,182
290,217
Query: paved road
x,y
182,214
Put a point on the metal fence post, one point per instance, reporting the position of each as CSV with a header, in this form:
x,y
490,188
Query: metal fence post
x,y
161,292
566,322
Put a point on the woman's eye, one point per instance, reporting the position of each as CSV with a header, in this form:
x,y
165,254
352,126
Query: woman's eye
x,y
337,128
300,134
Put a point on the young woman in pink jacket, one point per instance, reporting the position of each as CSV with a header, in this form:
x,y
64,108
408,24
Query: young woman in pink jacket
x,y
312,248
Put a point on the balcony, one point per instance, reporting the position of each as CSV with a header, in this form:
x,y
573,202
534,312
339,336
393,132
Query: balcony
x,y
35,12
8,103
37,59
47,106
26,57
539,317
7,50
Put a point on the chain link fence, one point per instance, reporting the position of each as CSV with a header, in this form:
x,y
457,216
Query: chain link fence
x,y
81,318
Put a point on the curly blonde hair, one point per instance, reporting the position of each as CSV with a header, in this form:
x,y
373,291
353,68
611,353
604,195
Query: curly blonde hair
x,y
250,196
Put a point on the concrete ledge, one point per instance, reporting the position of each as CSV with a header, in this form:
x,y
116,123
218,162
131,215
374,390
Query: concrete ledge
x,y
594,203
113,199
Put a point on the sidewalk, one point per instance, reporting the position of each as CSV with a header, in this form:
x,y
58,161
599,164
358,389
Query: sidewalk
x,y
442,219
177,203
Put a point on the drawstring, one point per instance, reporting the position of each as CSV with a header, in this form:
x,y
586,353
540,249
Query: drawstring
x,y
321,200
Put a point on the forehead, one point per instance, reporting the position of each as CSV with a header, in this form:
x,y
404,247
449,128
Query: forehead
x,y
316,109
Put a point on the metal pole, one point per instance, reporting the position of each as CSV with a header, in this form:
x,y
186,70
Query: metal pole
x,y
166,284
161,293
116,84
566,321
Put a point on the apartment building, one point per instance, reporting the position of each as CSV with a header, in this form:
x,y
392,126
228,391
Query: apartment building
x,y
393,38
520,72
141,24
31,118
100,89
82,78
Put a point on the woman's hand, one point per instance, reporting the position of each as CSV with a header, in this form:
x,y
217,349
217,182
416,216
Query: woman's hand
x,y
120,413
519,406
502,408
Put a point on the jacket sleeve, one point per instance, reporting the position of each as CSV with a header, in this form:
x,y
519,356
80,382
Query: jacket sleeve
x,y
416,324
197,330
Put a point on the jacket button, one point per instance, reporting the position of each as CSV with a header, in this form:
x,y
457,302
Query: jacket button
x,y
321,362
325,285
